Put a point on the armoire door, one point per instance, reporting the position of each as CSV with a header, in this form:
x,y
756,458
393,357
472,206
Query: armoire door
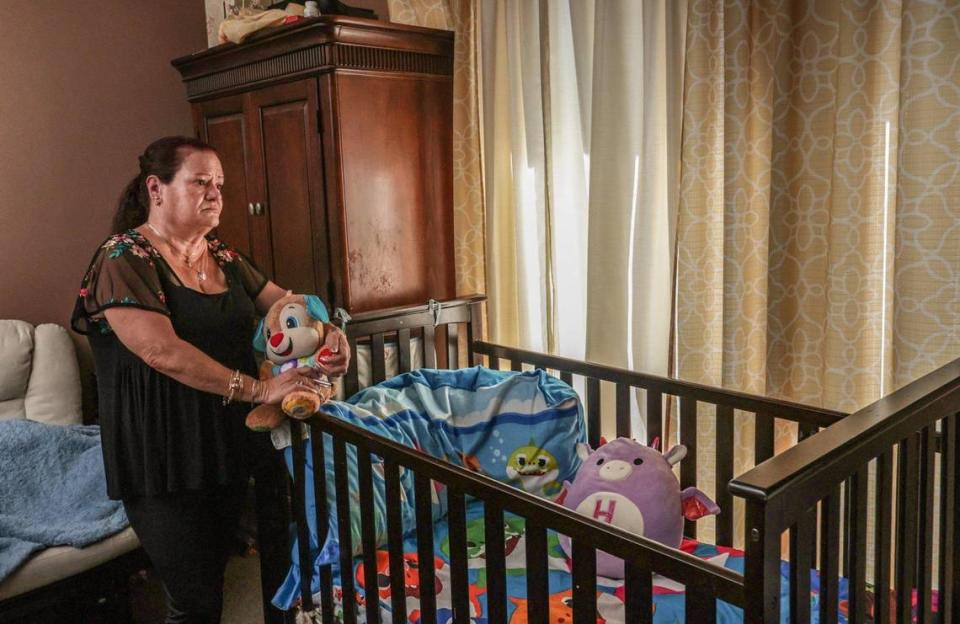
x,y
224,124
283,119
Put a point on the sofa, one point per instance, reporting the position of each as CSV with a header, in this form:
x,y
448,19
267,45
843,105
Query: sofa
x,y
40,381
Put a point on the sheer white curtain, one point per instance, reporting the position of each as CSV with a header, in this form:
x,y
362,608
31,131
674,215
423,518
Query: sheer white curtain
x,y
581,110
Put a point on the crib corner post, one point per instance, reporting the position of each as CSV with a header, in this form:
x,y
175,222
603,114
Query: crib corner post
x,y
761,575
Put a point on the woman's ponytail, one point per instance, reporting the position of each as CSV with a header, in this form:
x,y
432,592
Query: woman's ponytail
x,y
132,209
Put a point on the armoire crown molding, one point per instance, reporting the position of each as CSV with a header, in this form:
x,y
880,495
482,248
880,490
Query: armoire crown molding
x,y
316,45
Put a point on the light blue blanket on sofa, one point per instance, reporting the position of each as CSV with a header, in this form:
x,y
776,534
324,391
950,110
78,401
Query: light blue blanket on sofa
x,y
52,490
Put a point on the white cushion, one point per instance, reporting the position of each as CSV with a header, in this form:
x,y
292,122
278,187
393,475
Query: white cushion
x,y
16,354
53,394
39,377
53,564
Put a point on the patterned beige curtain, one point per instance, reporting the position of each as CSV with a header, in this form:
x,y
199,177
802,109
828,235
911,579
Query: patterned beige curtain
x,y
818,252
460,16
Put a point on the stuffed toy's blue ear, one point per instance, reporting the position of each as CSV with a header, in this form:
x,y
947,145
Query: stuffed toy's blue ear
x,y
316,309
258,342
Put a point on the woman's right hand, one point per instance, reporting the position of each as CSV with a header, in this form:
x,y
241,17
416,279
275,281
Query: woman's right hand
x,y
274,389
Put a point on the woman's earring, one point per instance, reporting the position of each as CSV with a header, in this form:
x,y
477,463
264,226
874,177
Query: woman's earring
x,y
157,200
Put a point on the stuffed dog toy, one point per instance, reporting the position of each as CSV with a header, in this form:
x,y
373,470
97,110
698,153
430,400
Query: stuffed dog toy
x,y
291,336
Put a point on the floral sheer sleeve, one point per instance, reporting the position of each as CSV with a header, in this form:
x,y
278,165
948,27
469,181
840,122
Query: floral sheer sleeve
x,y
122,273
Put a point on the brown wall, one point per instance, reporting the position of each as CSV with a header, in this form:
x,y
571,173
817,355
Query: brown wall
x,y
84,87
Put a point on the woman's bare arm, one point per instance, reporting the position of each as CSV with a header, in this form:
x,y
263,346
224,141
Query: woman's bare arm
x,y
150,336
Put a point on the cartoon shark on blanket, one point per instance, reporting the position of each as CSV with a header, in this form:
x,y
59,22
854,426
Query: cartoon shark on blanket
x,y
560,608
513,544
535,470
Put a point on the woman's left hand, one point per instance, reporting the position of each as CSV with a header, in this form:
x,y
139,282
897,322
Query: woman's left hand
x,y
334,354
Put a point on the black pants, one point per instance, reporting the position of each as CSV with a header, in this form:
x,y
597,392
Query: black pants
x,y
187,536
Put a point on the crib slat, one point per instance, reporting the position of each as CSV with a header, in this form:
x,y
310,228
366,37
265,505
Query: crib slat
x,y
403,351
378,360
638,605
701,607
368,536
494,363
949,520
351,381
457,519
566,377
856,557
472,357
763,438
299,507
844,533
496,563
537,580
882,531
688,465
427,575
516,365
593,411
724,471
349,602
803,538
320,496
453,345
584,581
655,418
326,593
623,410
398,600
928,449
429,347
906,563
830,557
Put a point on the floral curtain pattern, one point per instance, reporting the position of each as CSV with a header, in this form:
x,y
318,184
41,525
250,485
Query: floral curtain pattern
x,y
818,258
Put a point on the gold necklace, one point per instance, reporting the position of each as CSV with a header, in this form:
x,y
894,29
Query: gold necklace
x,y
201,274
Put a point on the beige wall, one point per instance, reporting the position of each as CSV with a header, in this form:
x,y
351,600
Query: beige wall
x,y
84,86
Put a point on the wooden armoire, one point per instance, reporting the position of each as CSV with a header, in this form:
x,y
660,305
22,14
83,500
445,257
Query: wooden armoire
x,y
336,139
335,135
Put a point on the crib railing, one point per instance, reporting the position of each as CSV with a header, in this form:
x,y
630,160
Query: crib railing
x,y
704,582
692,398
898,456
438,324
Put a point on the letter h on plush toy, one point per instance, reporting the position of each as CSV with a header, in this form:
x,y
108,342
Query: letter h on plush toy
x,y
291,336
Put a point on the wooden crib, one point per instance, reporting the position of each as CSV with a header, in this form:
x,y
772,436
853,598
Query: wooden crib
x,y
901,452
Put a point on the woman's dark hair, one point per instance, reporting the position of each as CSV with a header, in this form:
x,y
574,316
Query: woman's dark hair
x,y
162,158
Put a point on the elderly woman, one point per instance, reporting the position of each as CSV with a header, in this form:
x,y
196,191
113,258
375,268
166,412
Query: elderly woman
x,y
170,312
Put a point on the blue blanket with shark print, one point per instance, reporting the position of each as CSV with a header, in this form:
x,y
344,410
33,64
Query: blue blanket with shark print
x,y
519,428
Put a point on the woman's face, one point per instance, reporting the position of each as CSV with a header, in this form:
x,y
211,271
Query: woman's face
x,y
193,198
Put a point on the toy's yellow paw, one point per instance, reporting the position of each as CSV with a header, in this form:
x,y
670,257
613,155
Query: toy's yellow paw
x,y
301,405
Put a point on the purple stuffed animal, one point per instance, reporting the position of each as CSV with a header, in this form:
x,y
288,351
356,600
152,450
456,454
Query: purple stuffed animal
x,y
632,486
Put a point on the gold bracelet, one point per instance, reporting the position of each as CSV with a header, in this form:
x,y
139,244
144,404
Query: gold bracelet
x,y
254,390
235,384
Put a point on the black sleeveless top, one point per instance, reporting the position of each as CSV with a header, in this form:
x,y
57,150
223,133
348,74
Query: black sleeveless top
x,y
158,434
